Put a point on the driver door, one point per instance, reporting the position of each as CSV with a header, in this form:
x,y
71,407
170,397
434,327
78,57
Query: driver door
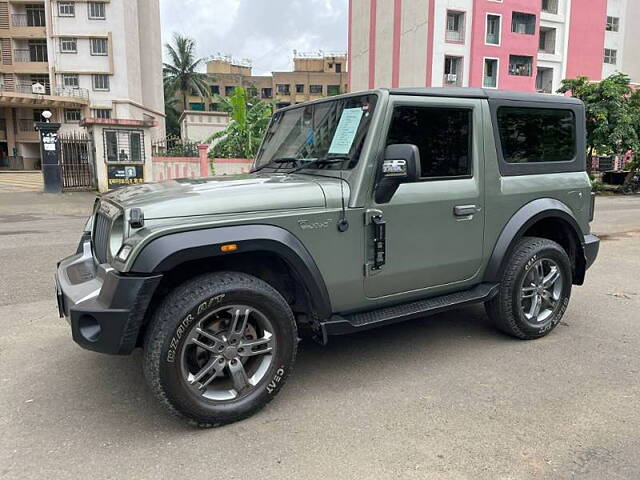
x,y
434,227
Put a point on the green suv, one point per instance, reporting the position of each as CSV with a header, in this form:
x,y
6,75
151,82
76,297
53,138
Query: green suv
x,y
362,210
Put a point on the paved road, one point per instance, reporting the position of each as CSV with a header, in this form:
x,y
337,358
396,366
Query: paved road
x,y
443,397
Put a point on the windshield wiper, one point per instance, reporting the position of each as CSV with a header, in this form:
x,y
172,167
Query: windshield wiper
x,y
321,161
279,161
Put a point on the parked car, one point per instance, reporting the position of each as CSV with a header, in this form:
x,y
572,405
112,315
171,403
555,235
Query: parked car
x,y
363,210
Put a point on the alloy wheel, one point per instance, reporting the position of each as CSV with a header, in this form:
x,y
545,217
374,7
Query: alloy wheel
x,y
228,353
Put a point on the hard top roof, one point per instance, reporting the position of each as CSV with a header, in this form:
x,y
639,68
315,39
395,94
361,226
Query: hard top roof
x,y
489,94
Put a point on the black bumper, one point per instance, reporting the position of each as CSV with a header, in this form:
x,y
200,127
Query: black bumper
x,y
591,246
105,309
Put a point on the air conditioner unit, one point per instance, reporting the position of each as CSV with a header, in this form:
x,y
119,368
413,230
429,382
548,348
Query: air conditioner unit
x,y
452,78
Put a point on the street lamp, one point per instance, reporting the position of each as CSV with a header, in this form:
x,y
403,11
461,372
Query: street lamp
x,y
47,115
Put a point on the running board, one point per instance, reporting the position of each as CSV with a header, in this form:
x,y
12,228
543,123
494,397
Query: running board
x,y
356,322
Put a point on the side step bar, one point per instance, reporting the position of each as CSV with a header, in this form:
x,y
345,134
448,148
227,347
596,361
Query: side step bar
x,y
356,322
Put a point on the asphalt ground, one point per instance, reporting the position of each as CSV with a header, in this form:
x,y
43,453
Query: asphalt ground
x,y
442,397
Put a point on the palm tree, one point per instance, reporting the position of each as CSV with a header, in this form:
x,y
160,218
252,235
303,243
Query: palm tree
x,y
181,73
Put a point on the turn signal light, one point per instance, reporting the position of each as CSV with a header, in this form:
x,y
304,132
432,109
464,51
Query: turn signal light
x,y
229,247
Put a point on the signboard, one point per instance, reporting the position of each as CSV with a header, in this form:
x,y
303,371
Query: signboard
x,y
124,175
38,89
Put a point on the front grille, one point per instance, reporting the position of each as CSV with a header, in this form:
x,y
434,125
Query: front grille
x,y
101,236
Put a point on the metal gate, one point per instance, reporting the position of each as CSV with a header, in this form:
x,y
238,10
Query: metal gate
x,y
77,167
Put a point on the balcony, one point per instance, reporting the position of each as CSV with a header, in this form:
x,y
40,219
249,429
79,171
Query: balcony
x,y
26,131
23,94
30,25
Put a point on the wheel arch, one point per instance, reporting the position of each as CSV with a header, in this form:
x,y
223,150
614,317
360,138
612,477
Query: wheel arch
x,y
546,218
255,244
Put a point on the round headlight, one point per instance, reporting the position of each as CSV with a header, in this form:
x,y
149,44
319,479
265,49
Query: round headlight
x,y
116,237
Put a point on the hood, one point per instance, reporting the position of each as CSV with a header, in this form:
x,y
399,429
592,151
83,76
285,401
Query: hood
x,y
219,195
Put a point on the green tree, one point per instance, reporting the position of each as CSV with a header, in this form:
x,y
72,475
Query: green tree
x,y
172,117
181,74
634,101
609,114
249,118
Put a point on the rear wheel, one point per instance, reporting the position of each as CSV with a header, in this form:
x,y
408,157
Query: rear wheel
x,y
220,347
534,290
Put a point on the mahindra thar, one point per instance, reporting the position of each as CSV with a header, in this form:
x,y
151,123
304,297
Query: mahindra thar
x,y
362,210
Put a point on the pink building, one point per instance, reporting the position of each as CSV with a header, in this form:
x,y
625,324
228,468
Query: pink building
x,y
523,45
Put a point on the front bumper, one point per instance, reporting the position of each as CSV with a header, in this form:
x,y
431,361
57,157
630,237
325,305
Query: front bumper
x,y
591,246
105,309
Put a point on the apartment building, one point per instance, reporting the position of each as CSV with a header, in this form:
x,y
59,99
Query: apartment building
x,y
315,75
523,45
96,65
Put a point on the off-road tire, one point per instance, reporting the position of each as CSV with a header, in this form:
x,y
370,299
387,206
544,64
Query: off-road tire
x,y
505,310
169,327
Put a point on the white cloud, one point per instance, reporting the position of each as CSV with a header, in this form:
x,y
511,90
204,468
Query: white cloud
x,y
267,31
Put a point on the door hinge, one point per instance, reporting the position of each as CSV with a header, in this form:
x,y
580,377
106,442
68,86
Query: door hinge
x,y
379,242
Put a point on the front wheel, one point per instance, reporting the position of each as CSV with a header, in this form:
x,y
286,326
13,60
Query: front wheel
x,y
534,290
220,347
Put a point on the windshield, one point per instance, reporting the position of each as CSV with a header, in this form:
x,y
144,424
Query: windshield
x,y
336,128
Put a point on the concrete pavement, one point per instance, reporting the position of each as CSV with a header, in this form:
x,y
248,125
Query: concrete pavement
x,y
443,397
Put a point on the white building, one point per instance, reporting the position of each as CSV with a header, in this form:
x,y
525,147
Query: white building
x,y
621,40
100,63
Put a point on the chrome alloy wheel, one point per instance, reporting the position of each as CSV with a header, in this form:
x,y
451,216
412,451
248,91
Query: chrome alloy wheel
x,y
227,353
541,291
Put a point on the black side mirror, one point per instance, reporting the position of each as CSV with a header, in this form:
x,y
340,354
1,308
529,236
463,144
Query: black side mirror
x,y
400,164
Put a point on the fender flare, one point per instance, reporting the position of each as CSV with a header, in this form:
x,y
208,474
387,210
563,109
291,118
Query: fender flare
x,y
520,222
167,252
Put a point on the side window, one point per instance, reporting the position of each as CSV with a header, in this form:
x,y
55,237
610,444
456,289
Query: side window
x,y
443,136
533,135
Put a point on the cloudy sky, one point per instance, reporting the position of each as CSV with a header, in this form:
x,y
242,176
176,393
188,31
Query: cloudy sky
x,y
266,31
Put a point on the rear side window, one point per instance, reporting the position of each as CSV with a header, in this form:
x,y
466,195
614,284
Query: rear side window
x,y
535,135
443,136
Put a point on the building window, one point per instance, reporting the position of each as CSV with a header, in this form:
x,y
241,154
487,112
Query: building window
x,y
490,79
228,91
455,27
35,16
99,46
544,80
252,92
315,89
96,10
523,23
333,90
547,42
520,65
101,82
452,71
37,115
71,80
69,45
101,113
266,92
442,135
38,51
299,88
493,30
124,146
338,68
215,89
67,9
532,135
613,24
198,107
72,115
610,56
550,6
213,107
283,89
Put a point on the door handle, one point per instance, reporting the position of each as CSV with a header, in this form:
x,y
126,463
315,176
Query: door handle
x,y
464,210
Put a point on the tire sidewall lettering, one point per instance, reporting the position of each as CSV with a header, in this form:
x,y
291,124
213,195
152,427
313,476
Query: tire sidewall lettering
x,y
185,324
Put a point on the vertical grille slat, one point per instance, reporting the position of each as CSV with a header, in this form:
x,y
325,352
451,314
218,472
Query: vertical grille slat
x,y
101,236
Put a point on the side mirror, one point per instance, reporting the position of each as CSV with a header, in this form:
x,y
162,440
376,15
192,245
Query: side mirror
x,y
400,164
